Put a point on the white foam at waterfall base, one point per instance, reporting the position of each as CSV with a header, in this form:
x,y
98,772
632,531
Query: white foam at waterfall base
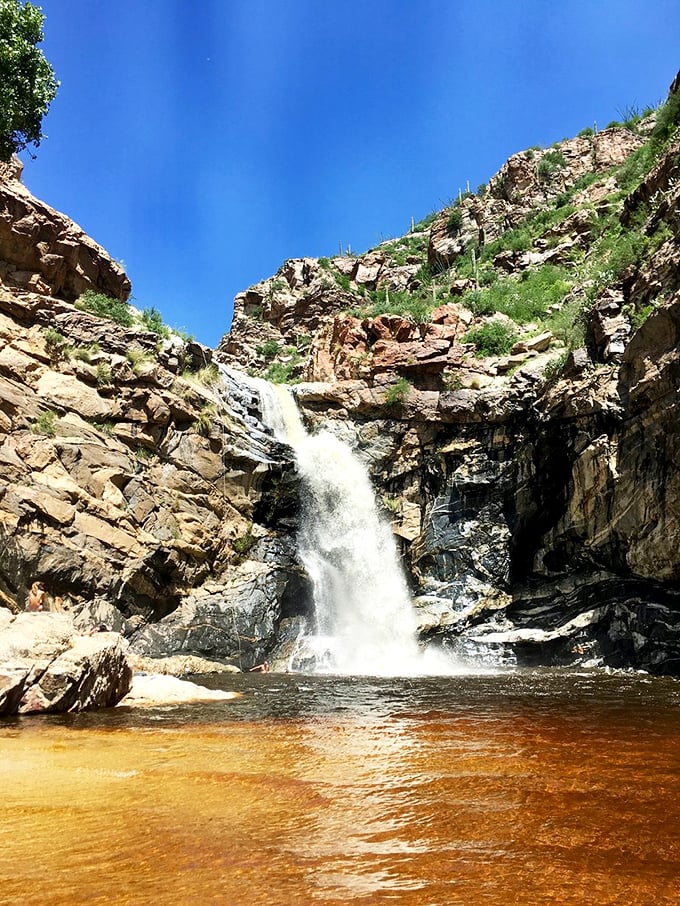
x,y
365,622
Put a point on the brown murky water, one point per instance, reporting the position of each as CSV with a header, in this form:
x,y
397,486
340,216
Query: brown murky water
x,y
518,789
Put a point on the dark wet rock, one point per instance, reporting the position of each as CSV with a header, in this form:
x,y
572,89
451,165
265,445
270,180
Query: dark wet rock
x,y
236,624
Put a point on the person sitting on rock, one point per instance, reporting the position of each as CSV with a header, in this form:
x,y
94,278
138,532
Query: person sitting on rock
x,y
36,597
57,604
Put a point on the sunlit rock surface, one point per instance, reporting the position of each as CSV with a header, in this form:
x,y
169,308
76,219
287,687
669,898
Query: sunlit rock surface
x,y
46,666
43,251
169,690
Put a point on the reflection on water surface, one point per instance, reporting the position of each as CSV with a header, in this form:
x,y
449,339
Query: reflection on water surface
x,y
499,789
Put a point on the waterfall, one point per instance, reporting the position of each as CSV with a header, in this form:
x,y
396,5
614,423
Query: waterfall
x,y
365,623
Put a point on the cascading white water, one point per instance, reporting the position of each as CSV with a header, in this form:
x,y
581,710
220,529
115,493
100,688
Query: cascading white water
x,y
365,620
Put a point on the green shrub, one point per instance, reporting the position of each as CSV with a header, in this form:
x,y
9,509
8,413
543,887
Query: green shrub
x,y
45,424
425,274
106,427
630,117
416,308
269,350
451,380
138,358
84,353
584,181
425,223
514,240
638,316
563,199
343,281
205,420
523,300
618,249
409,246
536,224
280,372
393,504
553,369
567,325
253,311
209,375
455,221
104,374
492,338
550,163
636,166
105,307
667,119
243,545
397,394
56,344
487,276
153,320
52,337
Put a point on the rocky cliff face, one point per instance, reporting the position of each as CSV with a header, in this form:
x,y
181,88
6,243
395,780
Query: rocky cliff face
x,y
44,252
413,306
133,478
532,482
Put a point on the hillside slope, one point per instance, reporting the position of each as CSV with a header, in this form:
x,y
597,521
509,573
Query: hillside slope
x,y
509,371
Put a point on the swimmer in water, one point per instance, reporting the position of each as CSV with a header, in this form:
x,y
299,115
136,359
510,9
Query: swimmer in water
x,y
261,668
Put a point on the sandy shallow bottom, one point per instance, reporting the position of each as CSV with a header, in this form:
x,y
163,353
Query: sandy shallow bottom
x,y
494,790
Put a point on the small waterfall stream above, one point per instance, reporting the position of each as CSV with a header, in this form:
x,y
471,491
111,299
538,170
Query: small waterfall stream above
x,y
365,620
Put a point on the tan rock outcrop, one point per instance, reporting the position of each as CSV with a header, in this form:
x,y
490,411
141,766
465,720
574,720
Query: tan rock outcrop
x,y
44,252
131,487
46,666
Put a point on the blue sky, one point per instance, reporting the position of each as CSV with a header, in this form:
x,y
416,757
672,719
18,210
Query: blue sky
x,y
203,142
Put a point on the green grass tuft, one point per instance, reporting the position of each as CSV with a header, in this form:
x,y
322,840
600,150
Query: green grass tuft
x,y
492,338
45,424
525,299
105,307
397,394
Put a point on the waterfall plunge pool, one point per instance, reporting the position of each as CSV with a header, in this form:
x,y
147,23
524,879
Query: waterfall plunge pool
x,y
525,787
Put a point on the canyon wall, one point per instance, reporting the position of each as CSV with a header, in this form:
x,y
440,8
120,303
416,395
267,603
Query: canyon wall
x,y
534,489
508,370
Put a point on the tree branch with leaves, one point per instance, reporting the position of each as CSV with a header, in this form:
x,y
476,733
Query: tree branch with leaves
x,y
27,82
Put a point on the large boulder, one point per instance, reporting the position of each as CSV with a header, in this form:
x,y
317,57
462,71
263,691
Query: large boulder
x,y
46,666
